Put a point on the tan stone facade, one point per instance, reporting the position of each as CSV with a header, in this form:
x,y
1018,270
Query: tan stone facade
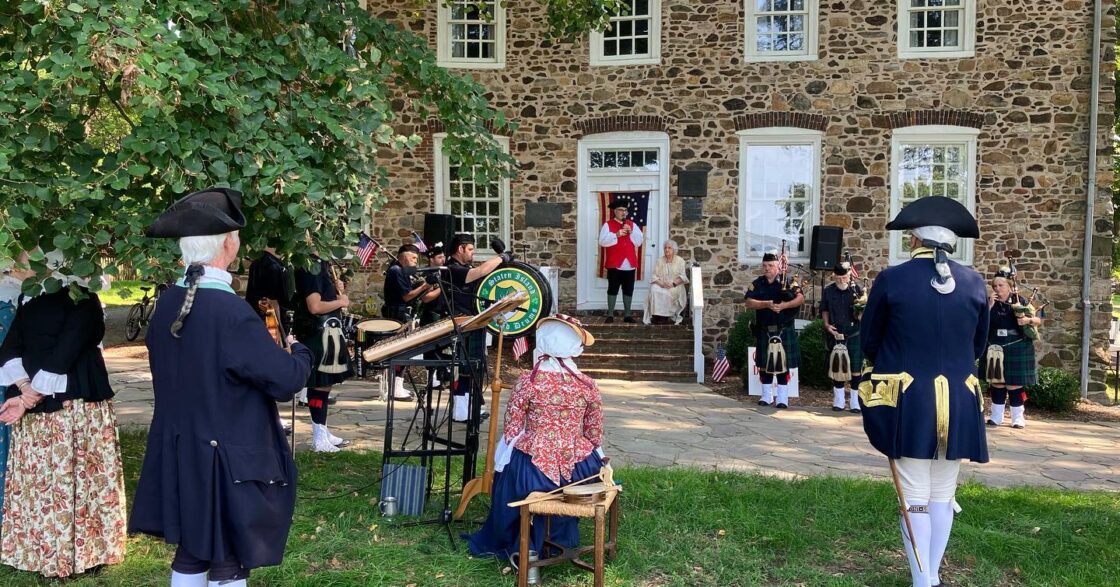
x,y
1027,90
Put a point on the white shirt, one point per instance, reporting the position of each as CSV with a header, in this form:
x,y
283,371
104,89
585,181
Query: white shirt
x,y
610,239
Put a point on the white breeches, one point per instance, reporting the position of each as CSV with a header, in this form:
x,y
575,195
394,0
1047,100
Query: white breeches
x,y
928,480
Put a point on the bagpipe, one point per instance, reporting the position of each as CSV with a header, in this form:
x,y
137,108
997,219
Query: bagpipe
x,y
776,360
1021,309
840,366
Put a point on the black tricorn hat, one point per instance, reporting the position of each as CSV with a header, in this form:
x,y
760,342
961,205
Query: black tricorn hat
x,y
842,268
768,257
435,250
213,210
936,211
618,204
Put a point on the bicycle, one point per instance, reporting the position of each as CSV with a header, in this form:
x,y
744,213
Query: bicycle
x,y
141,312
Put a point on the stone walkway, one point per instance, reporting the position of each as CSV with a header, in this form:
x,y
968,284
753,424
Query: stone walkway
x,y
677,424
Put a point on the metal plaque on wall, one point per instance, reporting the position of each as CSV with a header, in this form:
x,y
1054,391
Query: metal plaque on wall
x,y
692,209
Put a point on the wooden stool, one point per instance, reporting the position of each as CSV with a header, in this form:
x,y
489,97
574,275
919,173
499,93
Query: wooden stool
x,y
605,535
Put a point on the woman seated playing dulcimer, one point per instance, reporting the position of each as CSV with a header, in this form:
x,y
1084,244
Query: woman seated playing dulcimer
x,y
552,437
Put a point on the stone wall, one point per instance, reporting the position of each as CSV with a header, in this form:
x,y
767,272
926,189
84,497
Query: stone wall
x,y
1027,90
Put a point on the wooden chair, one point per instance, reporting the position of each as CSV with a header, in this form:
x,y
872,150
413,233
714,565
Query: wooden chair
x,y
605,514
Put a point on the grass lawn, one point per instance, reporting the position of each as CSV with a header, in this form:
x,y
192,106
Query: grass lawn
x,y
123,293
679,528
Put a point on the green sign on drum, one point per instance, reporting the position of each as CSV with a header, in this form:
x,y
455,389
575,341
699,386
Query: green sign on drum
x,y
506,280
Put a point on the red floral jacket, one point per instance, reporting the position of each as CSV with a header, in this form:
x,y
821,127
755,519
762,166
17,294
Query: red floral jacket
x,y
562,419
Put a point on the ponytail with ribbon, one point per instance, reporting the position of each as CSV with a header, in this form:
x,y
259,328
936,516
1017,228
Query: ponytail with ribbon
x,y
194,273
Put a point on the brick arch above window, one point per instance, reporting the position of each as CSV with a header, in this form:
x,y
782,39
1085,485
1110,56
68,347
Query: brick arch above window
x,y
785,119
621,123
435,125
939,117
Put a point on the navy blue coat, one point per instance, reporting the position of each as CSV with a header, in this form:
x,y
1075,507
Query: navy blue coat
x,y
218,478
923,392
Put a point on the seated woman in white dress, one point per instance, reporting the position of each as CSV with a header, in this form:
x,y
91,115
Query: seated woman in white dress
x,y
552,437
667,295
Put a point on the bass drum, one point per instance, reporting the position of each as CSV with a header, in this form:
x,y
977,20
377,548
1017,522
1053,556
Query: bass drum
x,y
510,277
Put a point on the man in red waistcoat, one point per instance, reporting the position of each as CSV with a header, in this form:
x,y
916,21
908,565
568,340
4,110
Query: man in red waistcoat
x,y
621,240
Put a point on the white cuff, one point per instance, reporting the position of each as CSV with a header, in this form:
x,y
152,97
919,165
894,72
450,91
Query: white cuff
x,y
599,451
12,371
47,383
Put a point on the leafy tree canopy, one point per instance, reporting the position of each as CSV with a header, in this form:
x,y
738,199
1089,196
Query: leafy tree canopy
x,y
110,111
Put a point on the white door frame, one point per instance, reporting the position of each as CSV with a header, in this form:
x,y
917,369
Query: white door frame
x,y
587,234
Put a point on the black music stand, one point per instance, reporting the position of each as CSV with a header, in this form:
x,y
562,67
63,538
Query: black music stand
x,y
432,444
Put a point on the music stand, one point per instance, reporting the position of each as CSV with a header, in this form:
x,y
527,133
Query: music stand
x,y
430,439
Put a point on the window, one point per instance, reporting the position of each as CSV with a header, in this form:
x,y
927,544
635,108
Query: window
x,y
936,28
932,161
779,191
623,159
471,34
632,38
486,204
781,30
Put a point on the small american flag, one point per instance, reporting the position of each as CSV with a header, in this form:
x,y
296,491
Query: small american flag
x,y
420,243
367,248
855,273
520,347
721,366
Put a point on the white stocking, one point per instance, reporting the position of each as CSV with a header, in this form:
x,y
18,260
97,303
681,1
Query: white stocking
x,y
921,525
941,524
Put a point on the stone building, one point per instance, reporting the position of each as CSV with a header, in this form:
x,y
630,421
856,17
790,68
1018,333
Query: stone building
x,y
790,113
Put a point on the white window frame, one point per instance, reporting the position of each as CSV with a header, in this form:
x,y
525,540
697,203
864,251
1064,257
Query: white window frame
x,y
443,40
750,26
654,57
933,134
443,191
777,136
967,35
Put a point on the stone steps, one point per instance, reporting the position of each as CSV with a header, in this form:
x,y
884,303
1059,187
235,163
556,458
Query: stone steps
x,y
638,352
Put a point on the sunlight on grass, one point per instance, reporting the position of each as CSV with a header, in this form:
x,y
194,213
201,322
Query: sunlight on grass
x,y
123,293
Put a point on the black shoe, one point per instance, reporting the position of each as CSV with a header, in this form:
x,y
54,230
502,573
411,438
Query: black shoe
x,y
609,320
628,320
332,400
854,410
762,403
992,424
836,409
781,406
1018,426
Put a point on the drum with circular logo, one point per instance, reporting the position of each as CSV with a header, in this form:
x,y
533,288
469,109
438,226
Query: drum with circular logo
x,y
510,277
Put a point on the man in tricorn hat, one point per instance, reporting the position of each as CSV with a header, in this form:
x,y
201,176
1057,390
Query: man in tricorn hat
x,y
925,324
621,240
218,479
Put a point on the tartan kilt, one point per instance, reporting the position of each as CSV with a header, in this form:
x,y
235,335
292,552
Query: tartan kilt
x,y
789,342
1019,365
855,350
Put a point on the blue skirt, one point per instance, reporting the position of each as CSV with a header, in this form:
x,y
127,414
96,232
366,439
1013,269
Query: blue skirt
x,y
500,535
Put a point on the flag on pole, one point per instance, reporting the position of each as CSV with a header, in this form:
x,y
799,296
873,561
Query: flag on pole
x,y
367,248
520,347
855,273
420,243
721,366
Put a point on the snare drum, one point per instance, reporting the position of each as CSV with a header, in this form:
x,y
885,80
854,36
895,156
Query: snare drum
x,y
368,333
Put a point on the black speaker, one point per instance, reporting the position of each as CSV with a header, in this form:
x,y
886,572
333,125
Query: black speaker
x,y
827,243
439,228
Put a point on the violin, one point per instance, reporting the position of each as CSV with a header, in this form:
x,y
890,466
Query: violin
x,y
271,310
